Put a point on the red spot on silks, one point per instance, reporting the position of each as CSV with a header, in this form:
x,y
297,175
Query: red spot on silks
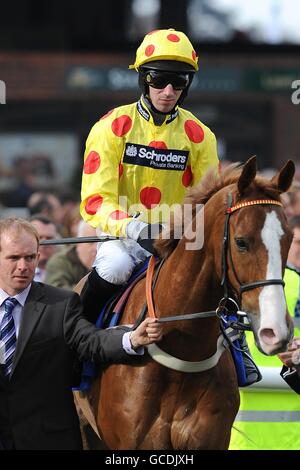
x,y
107,114
150,197
91,163
152,32
121,125
93,204
194,55
118,215
173,37
158,144
187,176
149,50
194,131
121,170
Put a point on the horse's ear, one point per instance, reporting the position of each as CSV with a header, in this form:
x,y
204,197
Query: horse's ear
x,y
248,174
284,177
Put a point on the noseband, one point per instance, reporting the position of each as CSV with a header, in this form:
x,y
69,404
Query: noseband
x,y
226,249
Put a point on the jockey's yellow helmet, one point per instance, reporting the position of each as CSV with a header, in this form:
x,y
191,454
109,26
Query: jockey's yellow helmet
x,y
166,44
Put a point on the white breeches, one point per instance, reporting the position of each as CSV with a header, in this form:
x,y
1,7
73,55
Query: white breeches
x,y
116,259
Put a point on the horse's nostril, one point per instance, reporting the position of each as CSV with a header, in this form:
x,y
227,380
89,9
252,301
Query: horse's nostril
x,y
268,336
267,332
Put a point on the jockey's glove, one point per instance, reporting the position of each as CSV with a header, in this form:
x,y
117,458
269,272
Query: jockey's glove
x,y
144,234
148,236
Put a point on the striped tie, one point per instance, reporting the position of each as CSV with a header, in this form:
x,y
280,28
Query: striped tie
x,y
8,334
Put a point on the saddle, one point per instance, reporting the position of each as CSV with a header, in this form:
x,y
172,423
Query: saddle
x,y
110,316
112,311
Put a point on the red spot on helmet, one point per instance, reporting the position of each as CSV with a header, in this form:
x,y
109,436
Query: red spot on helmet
x,y
152,32
149,50
91,163
121,170
93,204
106,115
121,125
187,176
150,197
118,215
194,55
158,144
194,131
173,37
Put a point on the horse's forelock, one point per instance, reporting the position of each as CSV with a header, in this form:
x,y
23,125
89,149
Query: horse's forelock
x,y
267,188
210,184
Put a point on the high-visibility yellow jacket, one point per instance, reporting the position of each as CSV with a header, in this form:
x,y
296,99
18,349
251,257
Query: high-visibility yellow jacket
x,y
269,414
148,166
292,294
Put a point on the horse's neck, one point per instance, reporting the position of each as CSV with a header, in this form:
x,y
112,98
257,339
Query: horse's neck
x,y
189,280
187,284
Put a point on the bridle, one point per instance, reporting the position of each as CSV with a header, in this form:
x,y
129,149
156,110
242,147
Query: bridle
x,y
232,319
226,254
227,251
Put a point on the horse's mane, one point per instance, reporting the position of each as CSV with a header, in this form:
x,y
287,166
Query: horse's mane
x,y
210,184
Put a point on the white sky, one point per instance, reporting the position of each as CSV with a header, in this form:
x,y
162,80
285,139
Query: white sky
x,y
277,19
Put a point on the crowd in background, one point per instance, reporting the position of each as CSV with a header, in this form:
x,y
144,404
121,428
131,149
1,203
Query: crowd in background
x,y
56,215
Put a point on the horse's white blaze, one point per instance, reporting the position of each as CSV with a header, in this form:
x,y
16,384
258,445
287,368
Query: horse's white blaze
x,y
271,299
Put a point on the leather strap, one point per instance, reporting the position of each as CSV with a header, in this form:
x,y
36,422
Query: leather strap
x,y
149,277
165,359
122,301
83,402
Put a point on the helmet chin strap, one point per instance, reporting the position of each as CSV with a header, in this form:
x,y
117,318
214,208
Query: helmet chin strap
x,y
145,91
155,112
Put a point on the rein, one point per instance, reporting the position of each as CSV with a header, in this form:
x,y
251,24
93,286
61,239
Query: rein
x,y
226,338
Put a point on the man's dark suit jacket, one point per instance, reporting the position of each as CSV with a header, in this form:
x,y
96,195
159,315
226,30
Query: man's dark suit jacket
x,y
36,404
292,378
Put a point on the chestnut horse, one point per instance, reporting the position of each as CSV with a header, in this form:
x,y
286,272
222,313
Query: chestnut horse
x,y
154,405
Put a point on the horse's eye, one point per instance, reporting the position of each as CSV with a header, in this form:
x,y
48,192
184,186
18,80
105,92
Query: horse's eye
x,y
242,244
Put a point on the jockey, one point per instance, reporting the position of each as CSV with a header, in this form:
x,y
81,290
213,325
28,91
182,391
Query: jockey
x,y
140,157
146,153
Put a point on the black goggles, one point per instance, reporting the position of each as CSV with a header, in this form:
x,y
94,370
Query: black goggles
x,y
179,81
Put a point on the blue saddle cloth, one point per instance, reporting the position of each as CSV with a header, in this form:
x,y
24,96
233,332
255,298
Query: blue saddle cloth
x,y
237,355
88,368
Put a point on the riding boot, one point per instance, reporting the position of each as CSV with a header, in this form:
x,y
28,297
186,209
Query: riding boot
x,y
95,294
252,372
